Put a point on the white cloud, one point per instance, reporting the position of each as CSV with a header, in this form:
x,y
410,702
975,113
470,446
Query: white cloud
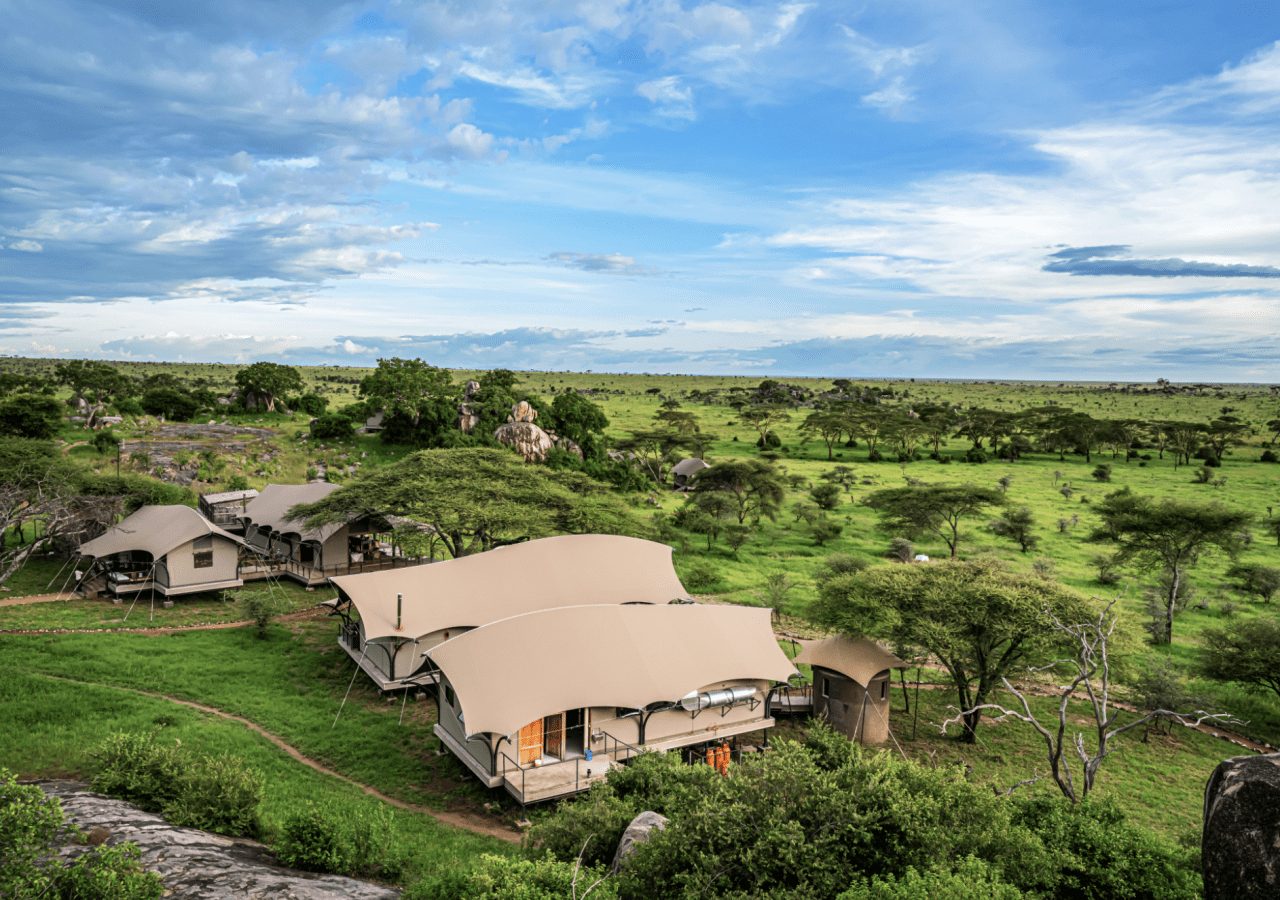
x,y
469,141
669,97
27,246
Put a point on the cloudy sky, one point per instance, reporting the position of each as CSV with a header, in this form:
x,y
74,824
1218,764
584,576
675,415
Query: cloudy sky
x,y
886,187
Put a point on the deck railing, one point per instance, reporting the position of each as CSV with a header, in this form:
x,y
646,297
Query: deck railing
x,y
308,572
621,752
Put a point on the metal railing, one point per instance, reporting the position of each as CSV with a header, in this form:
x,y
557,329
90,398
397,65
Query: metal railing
x,y
621,752
309,572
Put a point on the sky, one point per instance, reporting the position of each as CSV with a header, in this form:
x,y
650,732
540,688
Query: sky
x,y
885,188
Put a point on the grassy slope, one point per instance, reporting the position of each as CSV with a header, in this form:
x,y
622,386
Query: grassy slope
x,y
52,726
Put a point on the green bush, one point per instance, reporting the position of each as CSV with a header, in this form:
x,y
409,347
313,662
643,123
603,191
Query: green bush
x,y
356,841
972,879
212,793
826,818
30,823
494,877
332,427
700,576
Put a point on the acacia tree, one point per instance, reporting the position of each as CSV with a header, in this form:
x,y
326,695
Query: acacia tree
x,y
476,499
1171,534
1248,654
763,417
1016,524
978,618
263,383
935,508
1089,671
827,425
756,487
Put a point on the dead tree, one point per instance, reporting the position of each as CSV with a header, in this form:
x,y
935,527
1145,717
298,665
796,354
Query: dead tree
x,y
1090,672
54,512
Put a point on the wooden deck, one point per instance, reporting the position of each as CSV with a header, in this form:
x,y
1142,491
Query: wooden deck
x,y
380,678
558,779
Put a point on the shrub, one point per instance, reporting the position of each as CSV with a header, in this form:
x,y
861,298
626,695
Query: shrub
x,y
1102,472
974,455
874,456
972,879
332,427
261,607
358,841
1268,456
822,530
212,793
30,416
311,404
104,441
30,823
494,877
827,495
901,550
701,576
769,441
171,403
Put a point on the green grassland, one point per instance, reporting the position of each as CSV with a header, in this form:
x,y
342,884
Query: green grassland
x,y
293,682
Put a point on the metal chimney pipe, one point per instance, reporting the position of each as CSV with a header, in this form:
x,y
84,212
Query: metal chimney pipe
x,y
399,605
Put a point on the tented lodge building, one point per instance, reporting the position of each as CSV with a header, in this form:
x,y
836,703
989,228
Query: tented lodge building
x,y
172,550
544,703
392,619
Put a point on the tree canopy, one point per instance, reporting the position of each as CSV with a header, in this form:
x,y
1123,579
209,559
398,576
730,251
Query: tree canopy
x,y
1248,654
1171,535
478,498
418,400
757,488
262,383
932,508
979,618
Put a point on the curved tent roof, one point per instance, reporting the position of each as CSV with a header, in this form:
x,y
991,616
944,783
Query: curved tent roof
x,y
274,502
859,659
691,466
568,570
155,530
627,656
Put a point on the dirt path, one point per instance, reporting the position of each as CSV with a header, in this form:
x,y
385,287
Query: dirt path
x,y
166,629
466,821
35,598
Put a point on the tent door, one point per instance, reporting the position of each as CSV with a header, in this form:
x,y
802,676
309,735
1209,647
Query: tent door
x,y
575,732
553,735
530,742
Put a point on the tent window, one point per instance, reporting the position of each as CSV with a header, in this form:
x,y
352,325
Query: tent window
x,y
884,689
448,696
826,687
202,552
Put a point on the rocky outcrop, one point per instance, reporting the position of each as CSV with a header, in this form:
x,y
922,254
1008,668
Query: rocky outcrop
x,y
638,832
1241,842
467,418
196,864
521,433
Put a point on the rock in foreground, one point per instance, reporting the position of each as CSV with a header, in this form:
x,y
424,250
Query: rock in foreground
x,y
1241,848
200,865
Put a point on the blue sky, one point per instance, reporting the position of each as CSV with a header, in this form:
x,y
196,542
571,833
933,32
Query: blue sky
x,y
902,189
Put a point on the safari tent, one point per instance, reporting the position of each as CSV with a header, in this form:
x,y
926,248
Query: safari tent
x,y
391,619
289,546
544,703
172,550
851,685
226,509
683,472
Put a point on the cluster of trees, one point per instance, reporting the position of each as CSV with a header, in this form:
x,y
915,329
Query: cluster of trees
x,y
905,430
478,498
49,502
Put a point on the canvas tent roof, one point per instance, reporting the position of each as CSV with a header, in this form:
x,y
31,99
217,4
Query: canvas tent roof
x,y
626,656
568,570
275,500
229,496
856,658
691,466
155,530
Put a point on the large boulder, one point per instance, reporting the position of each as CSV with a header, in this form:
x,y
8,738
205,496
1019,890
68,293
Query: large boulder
x,y
638,832
1241,842
521,433
467,418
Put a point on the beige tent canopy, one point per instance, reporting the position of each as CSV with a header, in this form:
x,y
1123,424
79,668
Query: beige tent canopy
x,y
858,659
591,656
155,530
474,590
271,506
